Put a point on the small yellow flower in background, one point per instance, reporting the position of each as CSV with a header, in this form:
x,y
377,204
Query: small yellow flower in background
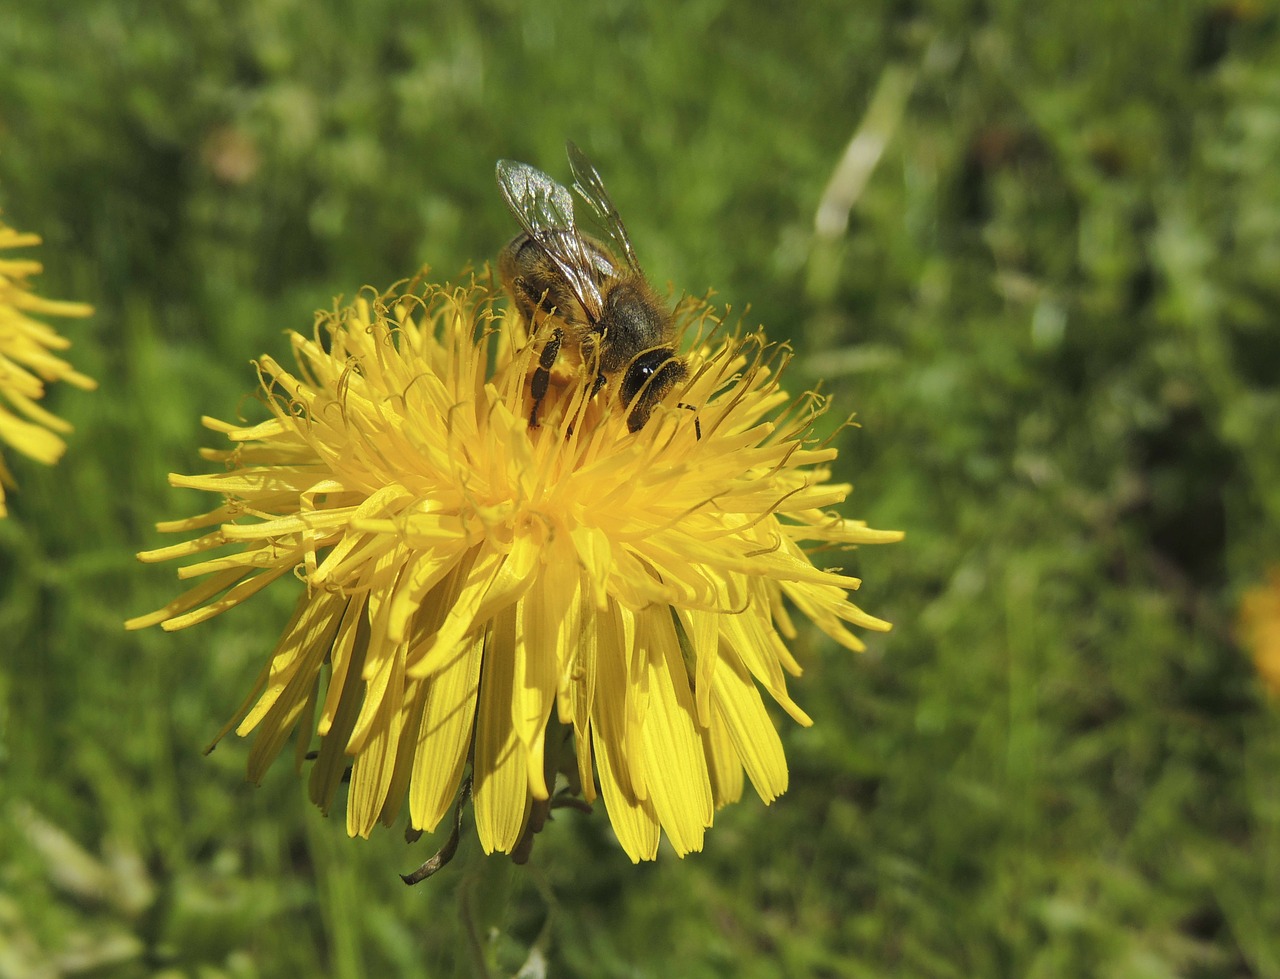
x,y
1260,630
490,606
27,361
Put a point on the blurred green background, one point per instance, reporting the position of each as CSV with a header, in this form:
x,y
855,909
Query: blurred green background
x,y
1053,307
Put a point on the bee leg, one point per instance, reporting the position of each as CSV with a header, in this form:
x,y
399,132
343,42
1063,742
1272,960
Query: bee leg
x,y
697,425
542,373
598,383
531,301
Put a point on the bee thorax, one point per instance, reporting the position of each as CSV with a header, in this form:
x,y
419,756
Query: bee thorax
x,y
633,321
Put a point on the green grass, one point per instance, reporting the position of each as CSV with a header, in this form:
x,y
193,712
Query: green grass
x,y
1054,311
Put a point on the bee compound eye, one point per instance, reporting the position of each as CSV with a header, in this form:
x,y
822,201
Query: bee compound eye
x,y
650,375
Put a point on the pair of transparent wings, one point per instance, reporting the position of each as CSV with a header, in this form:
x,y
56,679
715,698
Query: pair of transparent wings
x,y
544,209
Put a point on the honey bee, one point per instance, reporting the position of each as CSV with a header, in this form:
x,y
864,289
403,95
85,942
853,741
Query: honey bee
x,y
602,312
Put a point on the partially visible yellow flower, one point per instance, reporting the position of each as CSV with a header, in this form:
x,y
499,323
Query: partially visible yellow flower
x,y
26,360
1260,629
574,601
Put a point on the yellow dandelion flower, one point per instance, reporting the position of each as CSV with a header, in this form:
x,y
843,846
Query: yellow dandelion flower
x,y
1260,630
498,606
27,361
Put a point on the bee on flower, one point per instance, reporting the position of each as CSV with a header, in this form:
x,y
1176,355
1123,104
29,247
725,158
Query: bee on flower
x,y
532,579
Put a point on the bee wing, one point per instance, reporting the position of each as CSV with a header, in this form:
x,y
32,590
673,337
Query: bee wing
x,y
545,211
587,182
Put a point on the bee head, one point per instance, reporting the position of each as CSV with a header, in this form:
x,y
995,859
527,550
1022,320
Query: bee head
x,y
647,380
